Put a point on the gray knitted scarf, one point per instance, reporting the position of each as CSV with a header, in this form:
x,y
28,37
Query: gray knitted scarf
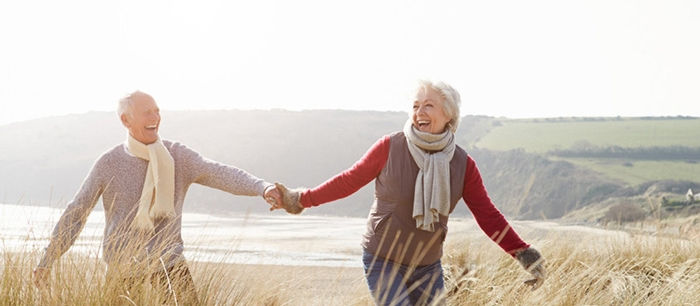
x,y
432,153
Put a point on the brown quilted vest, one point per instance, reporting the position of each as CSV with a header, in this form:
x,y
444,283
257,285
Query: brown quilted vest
x,y
391,230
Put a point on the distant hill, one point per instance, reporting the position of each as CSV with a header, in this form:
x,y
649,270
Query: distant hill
x,y
44,161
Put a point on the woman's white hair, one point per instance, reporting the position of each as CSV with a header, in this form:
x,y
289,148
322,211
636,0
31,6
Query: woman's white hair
x,y
452,101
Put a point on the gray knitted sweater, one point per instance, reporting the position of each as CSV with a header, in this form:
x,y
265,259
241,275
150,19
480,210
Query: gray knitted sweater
x,y
117,176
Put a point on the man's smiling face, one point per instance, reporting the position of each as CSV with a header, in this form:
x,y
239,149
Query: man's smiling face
x,y
142,118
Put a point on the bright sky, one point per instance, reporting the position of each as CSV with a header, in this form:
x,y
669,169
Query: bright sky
x,y
507,58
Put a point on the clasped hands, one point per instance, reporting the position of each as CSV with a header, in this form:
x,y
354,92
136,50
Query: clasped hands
x,y
281,197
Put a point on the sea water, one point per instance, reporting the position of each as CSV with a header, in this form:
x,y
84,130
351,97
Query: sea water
x,y
245,239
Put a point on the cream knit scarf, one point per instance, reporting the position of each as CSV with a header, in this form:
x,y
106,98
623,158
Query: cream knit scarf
x,y
158,194
432,193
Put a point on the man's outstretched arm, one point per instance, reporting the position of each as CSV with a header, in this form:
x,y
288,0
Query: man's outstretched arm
x,y
71,222
223,177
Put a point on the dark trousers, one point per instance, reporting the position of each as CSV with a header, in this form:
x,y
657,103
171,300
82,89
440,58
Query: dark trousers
x,y
177,283
173,284
395,284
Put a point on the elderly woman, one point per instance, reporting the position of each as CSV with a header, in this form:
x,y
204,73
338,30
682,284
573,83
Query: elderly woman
x,y
420,174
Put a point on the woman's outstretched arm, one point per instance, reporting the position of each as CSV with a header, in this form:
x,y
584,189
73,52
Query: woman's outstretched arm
x,y
489,218
349,181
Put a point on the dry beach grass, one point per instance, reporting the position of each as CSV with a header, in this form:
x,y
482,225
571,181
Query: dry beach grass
x,y
638,270
584,269
79,280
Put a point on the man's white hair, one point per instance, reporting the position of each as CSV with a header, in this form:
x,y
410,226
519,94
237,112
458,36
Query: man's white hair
x,y
124,106
452,100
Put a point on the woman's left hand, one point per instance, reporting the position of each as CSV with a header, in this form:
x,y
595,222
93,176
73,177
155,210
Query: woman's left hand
x,y
533,262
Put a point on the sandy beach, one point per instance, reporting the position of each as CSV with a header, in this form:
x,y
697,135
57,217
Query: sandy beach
x,y
297,285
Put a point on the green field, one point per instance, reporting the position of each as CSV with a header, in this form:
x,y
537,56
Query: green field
x,y
637,172
542,135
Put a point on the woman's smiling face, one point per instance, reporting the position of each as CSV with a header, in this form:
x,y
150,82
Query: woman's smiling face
x,y
429,112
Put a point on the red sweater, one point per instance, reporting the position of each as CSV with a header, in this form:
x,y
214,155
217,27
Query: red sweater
x,y
489,218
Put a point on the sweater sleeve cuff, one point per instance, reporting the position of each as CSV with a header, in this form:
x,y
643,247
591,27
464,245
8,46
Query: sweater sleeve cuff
x,y
263,186
305,199
513,252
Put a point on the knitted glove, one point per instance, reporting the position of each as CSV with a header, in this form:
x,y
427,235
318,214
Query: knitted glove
x,y
532,261
291,199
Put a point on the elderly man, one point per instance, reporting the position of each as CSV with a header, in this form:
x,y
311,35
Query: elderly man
x,y
143,183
